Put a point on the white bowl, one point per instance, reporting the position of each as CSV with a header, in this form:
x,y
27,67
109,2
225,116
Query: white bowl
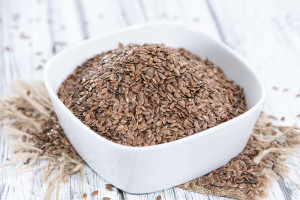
x,y
153,168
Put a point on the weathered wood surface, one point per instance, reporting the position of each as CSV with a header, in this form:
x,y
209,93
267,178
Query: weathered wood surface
x,y
265,33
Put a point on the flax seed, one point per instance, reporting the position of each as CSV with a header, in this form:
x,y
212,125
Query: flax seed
x,y
150,94
95,193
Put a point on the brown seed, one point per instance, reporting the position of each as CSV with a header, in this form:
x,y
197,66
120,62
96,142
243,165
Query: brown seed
x,y
56,152
84,195
236,192
7,48
39,67
24,138
158,197
150,88
27,161
241,175
109,187
95,193
272,117
105,198
121,46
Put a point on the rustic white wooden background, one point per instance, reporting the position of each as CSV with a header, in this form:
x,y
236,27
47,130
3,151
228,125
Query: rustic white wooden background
x,y
265,33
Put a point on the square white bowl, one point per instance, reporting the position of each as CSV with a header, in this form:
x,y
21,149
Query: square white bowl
x,y
153,168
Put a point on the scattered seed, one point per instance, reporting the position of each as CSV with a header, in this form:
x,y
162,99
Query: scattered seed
x,y
24,36
275,88
53,50
27,161
236,192
109,187
158,197
95,193
16,16
105,198
272,117
24,138
242,176
39,67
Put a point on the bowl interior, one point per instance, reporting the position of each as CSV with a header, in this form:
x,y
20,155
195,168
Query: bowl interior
x,y
59,67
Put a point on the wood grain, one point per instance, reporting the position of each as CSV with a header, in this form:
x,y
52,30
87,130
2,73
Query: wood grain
x,y
25,32
265,33
267,37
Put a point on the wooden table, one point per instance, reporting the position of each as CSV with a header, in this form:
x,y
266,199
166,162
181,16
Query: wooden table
x,y
265,33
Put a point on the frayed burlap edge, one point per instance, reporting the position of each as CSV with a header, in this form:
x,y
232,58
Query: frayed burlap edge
x,y
291,138
33,96
62,166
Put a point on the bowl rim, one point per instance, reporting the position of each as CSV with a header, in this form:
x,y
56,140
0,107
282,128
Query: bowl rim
x,y
162,146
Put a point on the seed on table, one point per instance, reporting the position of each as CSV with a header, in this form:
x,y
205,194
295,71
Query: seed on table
x,y
109,187
241,175
236,192
95,193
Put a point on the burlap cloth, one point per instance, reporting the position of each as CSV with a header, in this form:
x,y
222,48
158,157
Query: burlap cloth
x,y
246,176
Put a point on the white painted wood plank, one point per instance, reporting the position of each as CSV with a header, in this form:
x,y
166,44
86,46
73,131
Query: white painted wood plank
x,y
49,24
65,25
278,47
152,11
266,35
132,12
198,15
129,18
169,11
101,16
69,27
25,32
91,183
157,10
